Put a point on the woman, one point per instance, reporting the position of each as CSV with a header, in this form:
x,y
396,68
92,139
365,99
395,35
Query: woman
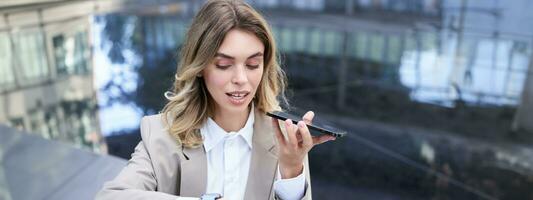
x,y
213,137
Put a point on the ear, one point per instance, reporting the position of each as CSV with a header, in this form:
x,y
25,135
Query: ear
x,y
200,74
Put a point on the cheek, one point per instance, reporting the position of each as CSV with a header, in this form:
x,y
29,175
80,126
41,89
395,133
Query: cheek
x,y
215,82
255,79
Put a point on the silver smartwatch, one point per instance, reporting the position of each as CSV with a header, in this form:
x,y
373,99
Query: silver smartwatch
x,y
211,196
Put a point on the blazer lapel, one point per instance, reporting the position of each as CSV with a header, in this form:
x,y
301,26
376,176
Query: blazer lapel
x,y
193,181
264,162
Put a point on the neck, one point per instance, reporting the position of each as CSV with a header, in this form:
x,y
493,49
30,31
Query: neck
x,y
231,121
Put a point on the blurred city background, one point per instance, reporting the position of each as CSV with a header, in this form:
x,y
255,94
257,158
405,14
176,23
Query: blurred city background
x,y
436,95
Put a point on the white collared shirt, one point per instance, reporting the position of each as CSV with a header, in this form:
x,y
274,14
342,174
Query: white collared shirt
x,y
228,163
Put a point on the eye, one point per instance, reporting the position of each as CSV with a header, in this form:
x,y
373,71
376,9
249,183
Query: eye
x,y
222,66
223,63
253,66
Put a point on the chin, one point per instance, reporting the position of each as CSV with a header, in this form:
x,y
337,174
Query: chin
x,y
237,108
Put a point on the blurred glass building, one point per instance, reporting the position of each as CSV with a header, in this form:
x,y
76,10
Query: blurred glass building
x,y
46,80
436,94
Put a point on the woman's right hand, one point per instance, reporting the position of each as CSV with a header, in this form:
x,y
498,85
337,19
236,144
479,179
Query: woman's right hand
x,y
298,143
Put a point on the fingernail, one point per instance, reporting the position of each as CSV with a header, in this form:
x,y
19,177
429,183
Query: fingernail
x,y
288,121
301,124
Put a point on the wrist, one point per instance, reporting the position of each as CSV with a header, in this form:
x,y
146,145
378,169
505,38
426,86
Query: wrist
x,y
290,171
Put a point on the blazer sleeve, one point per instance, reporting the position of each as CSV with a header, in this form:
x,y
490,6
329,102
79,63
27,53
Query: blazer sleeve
x,y
308,193
137,180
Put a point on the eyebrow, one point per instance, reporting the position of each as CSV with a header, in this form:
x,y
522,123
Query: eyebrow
x,y
218,54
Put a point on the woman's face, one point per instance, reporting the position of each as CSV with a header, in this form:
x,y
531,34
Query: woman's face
x,y
234,74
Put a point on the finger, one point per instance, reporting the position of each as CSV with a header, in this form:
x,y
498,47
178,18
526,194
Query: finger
x,y
299,138
278,133
308,117
307,140
322,138
291,132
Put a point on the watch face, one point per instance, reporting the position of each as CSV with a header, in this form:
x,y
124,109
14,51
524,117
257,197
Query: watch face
x,y
211,196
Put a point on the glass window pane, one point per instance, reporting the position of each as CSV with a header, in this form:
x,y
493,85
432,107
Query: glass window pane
x,y
300,39
394,49
315,41
332,43
360,45
376,47
6,69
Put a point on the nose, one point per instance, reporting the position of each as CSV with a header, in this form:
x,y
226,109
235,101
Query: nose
x,y
239,75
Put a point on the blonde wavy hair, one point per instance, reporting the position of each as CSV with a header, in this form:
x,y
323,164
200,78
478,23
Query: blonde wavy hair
x,y
190,104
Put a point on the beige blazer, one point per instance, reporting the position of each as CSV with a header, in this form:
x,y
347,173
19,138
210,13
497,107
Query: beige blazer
x,y
162,169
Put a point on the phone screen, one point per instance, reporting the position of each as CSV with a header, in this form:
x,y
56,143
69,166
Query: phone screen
x,y
317,127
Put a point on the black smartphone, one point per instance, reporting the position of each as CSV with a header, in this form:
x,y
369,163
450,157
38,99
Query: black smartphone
x,y
316,128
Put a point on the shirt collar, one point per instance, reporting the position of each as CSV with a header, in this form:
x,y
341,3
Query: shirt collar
x,y
214,134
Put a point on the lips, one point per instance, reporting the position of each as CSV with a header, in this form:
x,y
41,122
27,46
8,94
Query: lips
x,y
238,97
